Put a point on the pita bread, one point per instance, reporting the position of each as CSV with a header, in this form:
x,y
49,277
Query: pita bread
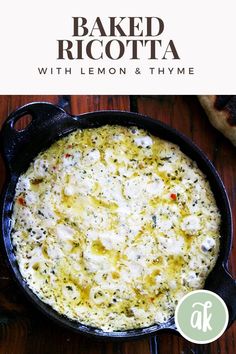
x,y
221,111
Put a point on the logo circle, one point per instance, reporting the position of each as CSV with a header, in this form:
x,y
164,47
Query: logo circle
x,y
201,316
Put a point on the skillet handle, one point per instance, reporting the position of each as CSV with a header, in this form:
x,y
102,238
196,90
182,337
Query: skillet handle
x,y
225,286
17,146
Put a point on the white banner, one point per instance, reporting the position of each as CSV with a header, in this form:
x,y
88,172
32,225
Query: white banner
x,y
123,47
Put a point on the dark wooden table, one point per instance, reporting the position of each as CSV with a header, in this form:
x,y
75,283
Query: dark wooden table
x,y
22,328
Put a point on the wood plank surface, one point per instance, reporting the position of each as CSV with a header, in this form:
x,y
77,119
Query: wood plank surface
x,y
23,330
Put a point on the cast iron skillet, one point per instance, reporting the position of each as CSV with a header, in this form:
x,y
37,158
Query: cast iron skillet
x,y
49,123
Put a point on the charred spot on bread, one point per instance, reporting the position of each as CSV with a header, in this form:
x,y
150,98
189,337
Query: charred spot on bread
x,y
227,104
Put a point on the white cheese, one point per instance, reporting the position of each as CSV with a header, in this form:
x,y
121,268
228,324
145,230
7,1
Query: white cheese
x,y
31,198
171,245
69,190
110,240
208,244
95,263
143,141
192,279
135,270
98,296
159,317
164,224
191,224
138,313
64,233
70,291
40,168
172,284
23,184
117,137
92,157
134,187
155,188
54,251
165,167
159,280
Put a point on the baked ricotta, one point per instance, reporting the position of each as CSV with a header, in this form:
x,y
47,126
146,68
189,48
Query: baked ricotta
x,y
111,226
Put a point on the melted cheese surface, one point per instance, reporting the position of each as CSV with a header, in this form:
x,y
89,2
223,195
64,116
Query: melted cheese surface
x,y
112,226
